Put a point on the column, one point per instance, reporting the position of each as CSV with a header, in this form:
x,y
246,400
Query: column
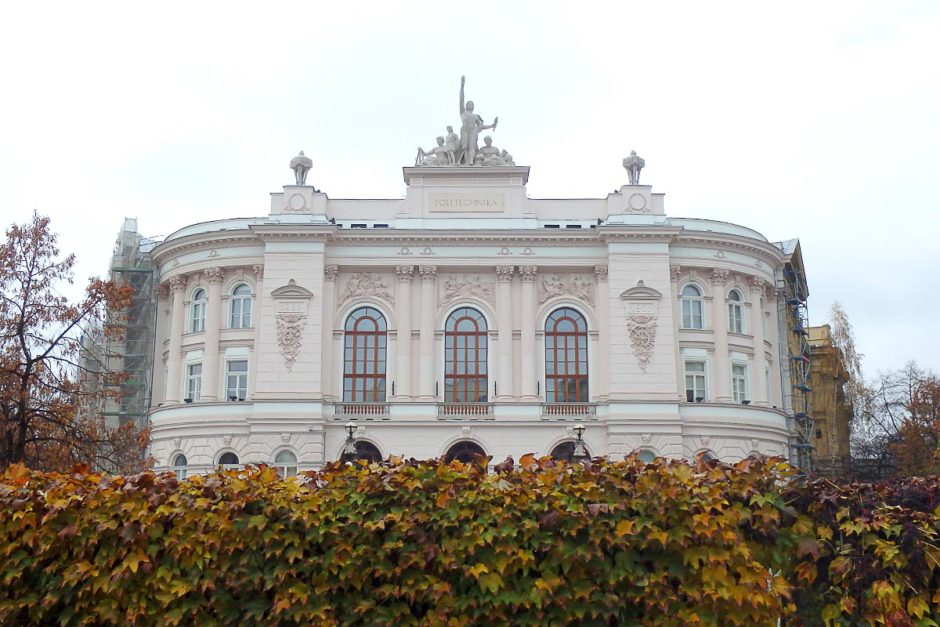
x,y
759,376
428,310
675,272
329,304
403,345
173,379
722,388
600,380
504,333
210,352
527,341
258,271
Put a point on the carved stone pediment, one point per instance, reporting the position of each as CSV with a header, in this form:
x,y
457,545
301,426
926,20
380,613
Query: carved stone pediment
x,y
641,292
291,291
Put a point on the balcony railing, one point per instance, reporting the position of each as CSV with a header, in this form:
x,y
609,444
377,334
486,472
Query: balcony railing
x,y
465,411
364,411
586,411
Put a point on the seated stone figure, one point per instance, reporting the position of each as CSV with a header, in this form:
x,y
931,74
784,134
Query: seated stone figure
x,y
434,157
492,155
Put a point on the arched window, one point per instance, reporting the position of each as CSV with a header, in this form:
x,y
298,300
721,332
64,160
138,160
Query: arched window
x,y
368,451
692,308
286,464
179,466
228,461
735,315
464,451
565,452
197,317
365,357
241,307
566,364
465,357
707,456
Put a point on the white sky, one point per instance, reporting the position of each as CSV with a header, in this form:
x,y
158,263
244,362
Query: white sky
x,y
816,120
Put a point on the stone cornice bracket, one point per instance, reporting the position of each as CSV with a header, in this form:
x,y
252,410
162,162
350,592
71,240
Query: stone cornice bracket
x,y
428,273
330,272
177,283
527,273
719,277
675,272
600,272
504,273
258,270
213,276
404,273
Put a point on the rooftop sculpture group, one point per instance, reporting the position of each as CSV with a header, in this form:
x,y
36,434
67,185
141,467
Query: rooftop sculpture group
x,y
465,149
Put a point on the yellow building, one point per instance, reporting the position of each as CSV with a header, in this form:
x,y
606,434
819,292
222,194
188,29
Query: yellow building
x,y
829,406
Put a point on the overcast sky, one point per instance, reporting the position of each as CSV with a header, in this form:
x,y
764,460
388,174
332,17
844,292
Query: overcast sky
x,y
817,120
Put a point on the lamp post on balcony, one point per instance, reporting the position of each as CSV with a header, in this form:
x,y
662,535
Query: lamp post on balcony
x,y
350,454
580,452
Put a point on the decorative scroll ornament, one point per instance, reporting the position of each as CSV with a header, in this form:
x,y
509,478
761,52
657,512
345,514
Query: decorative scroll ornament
x,y
466,286
642,304
576,285
368,285
290,305
213,276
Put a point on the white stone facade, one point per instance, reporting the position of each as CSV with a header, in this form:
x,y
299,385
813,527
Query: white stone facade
x,y
466,237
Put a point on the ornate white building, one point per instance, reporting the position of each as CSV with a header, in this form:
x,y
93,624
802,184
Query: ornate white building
x,y
466,317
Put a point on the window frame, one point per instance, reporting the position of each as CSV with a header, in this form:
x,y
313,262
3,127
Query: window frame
x,y
285,468
372,346
197,310
736,312
461,448
558,379
238,375
740,393
193,383
689,303
466,386
243,301
179,469
229,465
691,394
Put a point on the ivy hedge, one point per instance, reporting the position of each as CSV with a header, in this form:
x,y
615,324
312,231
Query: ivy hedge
x,y
431,543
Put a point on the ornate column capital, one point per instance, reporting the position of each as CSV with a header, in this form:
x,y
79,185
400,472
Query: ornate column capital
x,y
757,284
674,273
258,270
177,283
719,277
213,276
527,273
600,272
330,272
428,273
504,273
404,273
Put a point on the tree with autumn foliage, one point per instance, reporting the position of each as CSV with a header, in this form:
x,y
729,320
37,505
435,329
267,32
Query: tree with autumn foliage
x,y
41,360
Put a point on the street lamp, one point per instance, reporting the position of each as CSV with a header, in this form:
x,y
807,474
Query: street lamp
x,y
580,452
349,450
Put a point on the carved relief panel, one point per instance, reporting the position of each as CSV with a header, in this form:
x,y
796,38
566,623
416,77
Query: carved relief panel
x,y
642,305
580,286
454,286
367,285
291,303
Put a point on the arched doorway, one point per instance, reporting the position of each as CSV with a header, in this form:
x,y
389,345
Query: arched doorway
x,y
464,451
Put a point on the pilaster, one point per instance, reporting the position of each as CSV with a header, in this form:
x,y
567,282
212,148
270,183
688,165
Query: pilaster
x,y
426,359
210,356
329,305
504,275
403,344
601,378
527,339
759,378
175,357
719,320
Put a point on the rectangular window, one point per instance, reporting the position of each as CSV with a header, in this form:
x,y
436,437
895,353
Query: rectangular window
x,y
692,314
695,381
236,386
199,317
739,383
193,381
735,319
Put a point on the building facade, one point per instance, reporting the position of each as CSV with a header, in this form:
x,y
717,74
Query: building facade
x,y
467,317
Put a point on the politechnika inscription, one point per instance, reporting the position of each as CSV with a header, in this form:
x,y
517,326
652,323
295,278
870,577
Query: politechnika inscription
x,y
467,202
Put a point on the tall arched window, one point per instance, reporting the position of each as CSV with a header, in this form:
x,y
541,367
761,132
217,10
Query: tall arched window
x,y
365,357
735,313
692,308
286,464
241,307
566,361
197,315
179,466
465,357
